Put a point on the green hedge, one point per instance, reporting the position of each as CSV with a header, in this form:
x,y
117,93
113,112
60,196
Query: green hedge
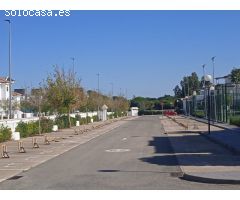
x,y
150,112
5,133
63,122
27,129
46,125
199,113
95,118
32,128
235,120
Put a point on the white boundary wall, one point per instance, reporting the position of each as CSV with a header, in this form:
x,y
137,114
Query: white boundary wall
x,y
12,123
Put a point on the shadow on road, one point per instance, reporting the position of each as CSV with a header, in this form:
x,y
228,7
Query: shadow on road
x,y
191,150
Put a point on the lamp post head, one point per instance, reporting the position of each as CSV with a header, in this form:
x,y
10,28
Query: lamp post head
x,y
208,78
213,58
7,20
212,88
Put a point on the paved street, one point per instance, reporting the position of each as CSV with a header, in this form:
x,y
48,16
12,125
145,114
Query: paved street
x,y
136,155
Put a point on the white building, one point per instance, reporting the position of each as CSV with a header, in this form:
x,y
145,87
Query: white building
x,y
4,94
17,97
134,111
4,88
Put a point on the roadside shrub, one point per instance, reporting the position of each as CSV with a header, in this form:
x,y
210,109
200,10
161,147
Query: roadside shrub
x,y
5,133
62,121
235,120
95,118
111,116
46,125
27,129
150,112
199,113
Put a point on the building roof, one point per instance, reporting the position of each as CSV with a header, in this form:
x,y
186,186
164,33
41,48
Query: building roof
x,y
17,94
5,80
104,107
223,77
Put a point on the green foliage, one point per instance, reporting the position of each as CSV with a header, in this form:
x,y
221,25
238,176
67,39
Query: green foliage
x,y
177,91
153,103
189,84
46,125
235,75
27,129
199,113
95,118
63,121
235,120
32,128
150,112
111,116
5,133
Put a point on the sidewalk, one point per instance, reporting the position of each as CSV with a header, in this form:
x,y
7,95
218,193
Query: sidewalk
x,y
60,142
229,137
200,159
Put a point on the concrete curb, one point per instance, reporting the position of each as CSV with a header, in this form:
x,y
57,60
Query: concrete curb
x,y
199,179
193,178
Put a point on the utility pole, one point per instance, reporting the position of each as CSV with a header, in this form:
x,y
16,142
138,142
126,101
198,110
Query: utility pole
x,y
98,93
73,64
74,87
204,89
9,70
214,96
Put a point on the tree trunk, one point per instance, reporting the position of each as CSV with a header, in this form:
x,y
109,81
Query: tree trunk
x,y
39,120
69,118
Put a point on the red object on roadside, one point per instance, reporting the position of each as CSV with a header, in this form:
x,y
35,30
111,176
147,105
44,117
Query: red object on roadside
x,y
169,113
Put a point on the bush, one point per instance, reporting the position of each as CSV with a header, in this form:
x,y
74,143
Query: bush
x,y
46,125
111,116
5,133
199,113
235,120
27,129
62,122
150,112
95,118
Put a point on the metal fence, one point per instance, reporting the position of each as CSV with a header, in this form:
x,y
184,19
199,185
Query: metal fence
x,y
224,103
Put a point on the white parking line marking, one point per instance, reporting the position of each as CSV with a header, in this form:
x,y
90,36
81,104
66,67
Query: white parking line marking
x,y
117,150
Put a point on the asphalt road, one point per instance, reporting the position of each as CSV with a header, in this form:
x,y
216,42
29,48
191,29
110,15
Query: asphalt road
x,y
128,157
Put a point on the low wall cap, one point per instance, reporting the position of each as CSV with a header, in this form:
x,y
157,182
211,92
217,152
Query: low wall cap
x,y
104,107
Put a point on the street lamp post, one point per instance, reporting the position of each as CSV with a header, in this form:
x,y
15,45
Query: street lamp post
x,y
204,89
214,97
208,79
98,94
9,70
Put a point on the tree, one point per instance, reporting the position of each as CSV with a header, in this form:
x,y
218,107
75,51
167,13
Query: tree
x,y
190,84
63,91
235,75
177,91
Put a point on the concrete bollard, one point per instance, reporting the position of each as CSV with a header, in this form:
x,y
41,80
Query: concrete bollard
x,y
46,141
4,151
20,147
34,142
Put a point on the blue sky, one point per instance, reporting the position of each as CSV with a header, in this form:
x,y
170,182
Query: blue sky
x,y
145,52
